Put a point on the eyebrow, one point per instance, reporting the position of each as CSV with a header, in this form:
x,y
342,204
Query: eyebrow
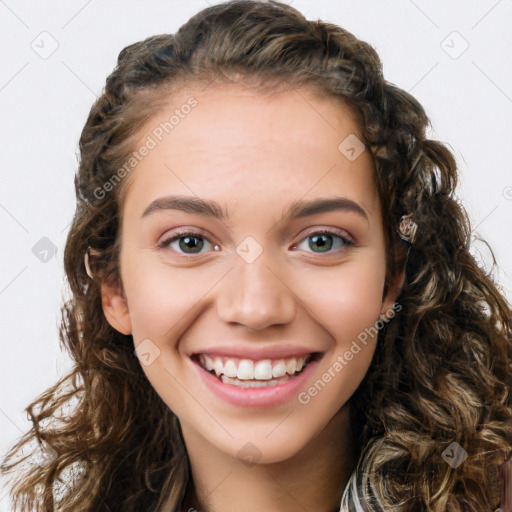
x,y
297,209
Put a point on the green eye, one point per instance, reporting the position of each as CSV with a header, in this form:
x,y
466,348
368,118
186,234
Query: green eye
x,y
191,242
323,241
187,240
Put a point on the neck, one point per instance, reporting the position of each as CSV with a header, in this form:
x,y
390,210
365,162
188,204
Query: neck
x,y
312,480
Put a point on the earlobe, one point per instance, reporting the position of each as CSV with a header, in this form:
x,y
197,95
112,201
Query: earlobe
x,y
115,307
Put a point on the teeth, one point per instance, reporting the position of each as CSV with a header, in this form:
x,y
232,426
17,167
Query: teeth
x,y
230,369
249,384
208,362
291,366
263,370
217,366
279,369
246,369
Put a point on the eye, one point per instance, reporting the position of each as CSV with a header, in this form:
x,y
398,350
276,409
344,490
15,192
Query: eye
x,y
187,241
323,240
191,242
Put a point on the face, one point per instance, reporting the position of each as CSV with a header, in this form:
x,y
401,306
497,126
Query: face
x,y
282,268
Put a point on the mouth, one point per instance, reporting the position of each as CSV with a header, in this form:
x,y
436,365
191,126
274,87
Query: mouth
x,y
250,373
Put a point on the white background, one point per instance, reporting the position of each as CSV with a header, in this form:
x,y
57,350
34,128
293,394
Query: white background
x,y
45,102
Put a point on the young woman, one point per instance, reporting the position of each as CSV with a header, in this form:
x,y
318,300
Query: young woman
x,y
274,303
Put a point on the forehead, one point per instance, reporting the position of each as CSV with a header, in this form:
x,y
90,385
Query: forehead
x,y
235,144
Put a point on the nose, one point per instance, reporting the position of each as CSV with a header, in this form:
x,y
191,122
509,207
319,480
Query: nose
x,y
256,295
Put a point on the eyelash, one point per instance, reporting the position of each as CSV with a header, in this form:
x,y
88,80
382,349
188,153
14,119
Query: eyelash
x,y
348,242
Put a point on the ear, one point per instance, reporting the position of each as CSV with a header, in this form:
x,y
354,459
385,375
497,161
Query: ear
x,y
115,306
394,288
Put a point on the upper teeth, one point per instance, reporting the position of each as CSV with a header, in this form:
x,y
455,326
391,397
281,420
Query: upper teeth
x,y
247,369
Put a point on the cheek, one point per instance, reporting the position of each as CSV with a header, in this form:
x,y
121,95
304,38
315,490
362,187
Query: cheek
x,y
348,308
346,299
161,300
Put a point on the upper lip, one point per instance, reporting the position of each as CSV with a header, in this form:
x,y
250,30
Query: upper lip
x,y
256,353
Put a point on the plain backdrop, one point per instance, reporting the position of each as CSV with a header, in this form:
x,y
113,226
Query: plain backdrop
x,y
454,57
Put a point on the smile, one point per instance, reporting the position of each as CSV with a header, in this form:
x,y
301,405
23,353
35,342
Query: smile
x,y
249,373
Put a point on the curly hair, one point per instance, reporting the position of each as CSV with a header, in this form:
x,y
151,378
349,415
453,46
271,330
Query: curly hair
x,y
441,372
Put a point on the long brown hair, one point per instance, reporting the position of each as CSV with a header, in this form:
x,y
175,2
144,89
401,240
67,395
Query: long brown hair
x,y
441,372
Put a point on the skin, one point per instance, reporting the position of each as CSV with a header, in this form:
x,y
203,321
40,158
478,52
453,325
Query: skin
x,y
254,155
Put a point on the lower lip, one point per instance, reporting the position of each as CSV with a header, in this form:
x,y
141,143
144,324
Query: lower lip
x,y
269,396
